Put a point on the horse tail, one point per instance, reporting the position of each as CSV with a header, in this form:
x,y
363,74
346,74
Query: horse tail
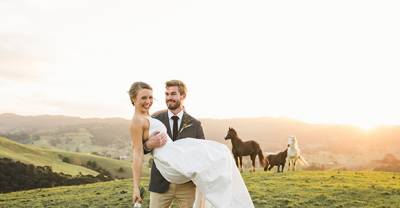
x,y
261,157
302,160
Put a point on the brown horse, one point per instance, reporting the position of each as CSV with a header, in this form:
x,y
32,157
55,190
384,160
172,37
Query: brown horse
x,y
240,148
278,160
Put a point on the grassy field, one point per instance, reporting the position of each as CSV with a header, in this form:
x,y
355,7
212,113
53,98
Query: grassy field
x,y
299,189
37,156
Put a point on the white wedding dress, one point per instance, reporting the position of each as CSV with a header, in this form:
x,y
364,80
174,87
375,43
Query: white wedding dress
x,y
208,164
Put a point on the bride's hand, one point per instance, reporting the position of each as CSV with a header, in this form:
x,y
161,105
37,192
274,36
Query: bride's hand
x,y
136,196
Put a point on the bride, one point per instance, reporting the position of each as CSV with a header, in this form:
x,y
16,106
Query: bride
x,y
207,163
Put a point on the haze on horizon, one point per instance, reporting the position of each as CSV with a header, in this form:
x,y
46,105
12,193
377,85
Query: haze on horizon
x,y
316,61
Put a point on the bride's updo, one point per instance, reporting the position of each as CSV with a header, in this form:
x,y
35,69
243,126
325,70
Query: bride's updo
x,y
135,87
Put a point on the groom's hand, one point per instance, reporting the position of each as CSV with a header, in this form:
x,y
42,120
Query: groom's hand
x,y
156,139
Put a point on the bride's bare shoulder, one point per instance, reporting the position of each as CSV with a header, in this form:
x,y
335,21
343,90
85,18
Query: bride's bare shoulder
x,y
139,121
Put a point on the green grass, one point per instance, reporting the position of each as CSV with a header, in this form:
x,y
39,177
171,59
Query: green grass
x,y
50,157
68,141
299,189
325,189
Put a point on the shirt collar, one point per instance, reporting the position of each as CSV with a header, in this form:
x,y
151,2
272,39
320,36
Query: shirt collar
x,y
180,114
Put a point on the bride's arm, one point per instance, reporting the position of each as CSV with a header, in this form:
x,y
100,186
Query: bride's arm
x,y
199,200
136,131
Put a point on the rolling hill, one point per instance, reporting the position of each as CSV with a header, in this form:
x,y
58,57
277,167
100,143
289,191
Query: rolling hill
x,y
106,137
336,146
38,156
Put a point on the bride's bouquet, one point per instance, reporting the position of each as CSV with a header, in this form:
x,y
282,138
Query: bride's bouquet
x,y
137,204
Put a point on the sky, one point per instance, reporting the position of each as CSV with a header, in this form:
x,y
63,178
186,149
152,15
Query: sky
x,y
316,61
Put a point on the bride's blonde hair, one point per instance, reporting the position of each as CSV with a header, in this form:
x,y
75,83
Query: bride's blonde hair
x,y
135,87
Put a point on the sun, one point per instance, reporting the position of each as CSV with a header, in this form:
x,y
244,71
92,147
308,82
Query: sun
x,y
366,125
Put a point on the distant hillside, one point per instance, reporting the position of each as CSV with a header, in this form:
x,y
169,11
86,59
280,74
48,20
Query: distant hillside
x,y
335,145
37,156
273,133
107,137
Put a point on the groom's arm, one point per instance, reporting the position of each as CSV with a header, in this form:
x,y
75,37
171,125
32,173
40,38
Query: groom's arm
x,y
199,131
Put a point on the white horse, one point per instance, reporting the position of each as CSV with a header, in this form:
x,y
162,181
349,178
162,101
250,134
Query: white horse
x,y
293,154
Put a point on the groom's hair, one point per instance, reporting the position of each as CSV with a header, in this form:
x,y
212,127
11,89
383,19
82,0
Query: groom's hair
x,y
135,87
178,83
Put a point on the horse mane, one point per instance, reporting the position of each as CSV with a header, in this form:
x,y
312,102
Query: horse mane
x,y
232,129
274,154
294,141
234,133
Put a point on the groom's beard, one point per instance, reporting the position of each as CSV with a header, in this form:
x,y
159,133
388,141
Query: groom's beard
x,y
173,104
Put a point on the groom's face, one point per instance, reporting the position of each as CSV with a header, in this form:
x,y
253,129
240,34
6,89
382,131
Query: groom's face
x,y
173,98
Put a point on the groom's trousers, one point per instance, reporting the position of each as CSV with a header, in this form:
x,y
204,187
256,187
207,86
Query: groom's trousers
x,y
184,195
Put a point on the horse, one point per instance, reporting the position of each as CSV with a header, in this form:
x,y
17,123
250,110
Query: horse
x,y
293,153
278,160
240,148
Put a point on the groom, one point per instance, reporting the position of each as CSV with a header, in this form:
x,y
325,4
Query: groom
x,y
179,125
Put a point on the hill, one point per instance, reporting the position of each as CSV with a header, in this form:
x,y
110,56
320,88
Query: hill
x,y
38,156
107,137
295,189
335,146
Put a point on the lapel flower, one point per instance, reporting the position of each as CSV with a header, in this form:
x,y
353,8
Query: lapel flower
x,y
186,123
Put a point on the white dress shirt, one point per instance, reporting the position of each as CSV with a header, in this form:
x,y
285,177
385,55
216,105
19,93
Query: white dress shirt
x,y
171,122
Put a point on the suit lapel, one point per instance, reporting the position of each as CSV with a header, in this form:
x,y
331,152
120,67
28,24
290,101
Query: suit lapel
x,y
186,120
180,127
166,123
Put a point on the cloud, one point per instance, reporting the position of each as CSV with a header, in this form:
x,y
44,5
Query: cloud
x,y
18,67
21,51
37,103
18,62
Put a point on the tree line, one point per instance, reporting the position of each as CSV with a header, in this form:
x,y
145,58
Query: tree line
x,y
16,176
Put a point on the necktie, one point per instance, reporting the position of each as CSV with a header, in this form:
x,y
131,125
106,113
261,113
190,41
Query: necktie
x,y
175,127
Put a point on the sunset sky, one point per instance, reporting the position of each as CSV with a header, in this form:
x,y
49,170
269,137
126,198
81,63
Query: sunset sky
x,y
316,61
